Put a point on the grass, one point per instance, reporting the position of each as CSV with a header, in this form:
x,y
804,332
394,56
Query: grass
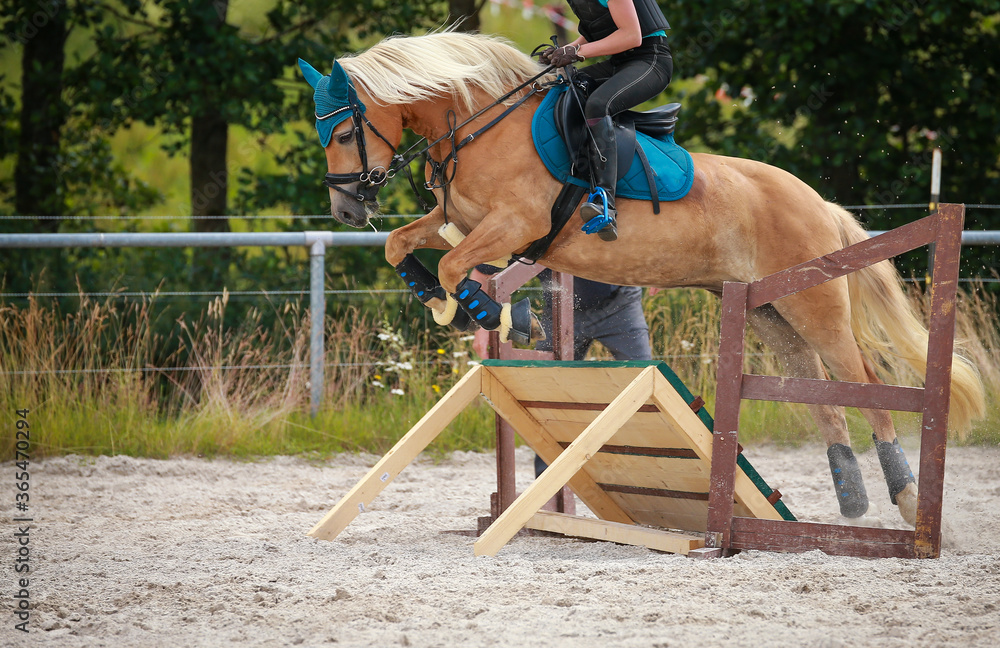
x,y
212,397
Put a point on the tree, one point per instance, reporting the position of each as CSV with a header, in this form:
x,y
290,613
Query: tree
x,y
852,96
38,189
183,66
465,14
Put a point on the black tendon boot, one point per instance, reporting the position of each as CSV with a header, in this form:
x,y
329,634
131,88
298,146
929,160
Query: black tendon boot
x,y
894,466
599,210
847,481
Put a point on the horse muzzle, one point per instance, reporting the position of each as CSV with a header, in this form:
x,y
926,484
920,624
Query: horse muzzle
x,y
356,195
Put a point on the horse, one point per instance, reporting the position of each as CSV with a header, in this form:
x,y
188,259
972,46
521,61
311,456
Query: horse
x,y
740,221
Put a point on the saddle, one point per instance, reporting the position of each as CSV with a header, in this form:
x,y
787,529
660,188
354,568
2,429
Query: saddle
x,y
560,134
572,127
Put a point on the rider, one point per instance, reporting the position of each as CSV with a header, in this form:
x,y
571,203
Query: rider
x,y
633,33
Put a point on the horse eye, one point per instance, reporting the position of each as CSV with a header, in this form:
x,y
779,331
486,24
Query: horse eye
x,y
346,136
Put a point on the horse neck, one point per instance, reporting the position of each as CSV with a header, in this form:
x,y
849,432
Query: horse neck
x,y
430,118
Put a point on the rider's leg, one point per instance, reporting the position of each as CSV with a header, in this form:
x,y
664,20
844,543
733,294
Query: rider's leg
x,y
599,210
638,75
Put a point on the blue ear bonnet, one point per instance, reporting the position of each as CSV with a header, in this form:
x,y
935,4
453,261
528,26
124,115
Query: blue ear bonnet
x,y
333,96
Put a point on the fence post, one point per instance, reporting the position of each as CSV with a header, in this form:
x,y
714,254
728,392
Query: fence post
x,y
317,316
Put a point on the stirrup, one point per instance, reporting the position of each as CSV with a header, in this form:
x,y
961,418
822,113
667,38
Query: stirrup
x,y
603,222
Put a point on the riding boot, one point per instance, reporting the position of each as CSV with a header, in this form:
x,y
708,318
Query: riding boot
x,y
599,210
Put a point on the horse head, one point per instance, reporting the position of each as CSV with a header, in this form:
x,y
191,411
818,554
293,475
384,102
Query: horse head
x,y
356,167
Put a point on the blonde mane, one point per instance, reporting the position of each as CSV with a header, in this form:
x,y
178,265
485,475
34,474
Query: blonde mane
x,y
404,69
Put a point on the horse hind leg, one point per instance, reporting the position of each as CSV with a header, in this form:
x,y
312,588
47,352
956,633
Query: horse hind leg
x,y
821,315
898,476
801,361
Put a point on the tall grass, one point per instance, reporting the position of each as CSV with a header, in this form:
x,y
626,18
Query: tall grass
x,y
96,381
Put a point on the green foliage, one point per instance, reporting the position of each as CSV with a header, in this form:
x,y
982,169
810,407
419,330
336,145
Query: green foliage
x,y
851,96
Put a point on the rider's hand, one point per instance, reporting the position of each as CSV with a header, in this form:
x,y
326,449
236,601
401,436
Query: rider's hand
x,y
545,57
565,55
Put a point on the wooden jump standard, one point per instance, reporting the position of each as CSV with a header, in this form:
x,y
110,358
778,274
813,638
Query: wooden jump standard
x,y
728,531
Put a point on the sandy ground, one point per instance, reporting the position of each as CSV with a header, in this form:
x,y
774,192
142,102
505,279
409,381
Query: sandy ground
x,y
191,552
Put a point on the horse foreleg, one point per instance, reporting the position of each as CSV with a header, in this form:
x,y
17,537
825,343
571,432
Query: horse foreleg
x,y
421,233
399,247
484,244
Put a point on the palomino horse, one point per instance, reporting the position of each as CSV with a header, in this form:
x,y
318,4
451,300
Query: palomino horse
x,y
741,220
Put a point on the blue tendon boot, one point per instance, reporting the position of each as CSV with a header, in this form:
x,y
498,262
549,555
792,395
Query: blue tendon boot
x,y
847,481
514,321
425,286
898,477
599,210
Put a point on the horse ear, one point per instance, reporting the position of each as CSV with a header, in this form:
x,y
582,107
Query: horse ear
x,y
310,73
339,81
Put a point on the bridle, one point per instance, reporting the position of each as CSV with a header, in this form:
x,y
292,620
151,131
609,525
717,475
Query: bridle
x,y
370,180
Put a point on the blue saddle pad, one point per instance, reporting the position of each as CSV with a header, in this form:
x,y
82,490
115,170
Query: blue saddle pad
x,y
672,166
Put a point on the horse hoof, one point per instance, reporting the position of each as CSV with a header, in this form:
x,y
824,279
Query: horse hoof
x,y
520,323
906,500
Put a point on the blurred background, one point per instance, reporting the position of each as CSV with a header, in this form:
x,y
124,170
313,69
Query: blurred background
x,y
191,116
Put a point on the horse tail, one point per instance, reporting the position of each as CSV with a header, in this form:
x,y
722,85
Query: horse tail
x,y
889,332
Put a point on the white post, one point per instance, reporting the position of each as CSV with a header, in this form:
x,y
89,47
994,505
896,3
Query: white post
x,y
933,207
935,180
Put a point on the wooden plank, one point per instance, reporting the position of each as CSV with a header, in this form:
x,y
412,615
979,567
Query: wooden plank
x,y
595,383
842,262
727,412
833,539
649,429
690,475
654,492
745,492
592,407
833,392
646,451
630,534
940,350
400,456
505,405
567,464
686,515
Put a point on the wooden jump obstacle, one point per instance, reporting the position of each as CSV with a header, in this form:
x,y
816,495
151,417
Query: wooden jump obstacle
x,y
623,435
633,449
728,531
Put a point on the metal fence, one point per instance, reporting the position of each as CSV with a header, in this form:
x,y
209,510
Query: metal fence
x,y
316,242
